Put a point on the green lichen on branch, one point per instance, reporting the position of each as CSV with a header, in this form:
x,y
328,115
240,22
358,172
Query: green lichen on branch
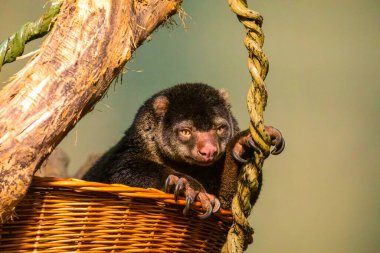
x,y
14,46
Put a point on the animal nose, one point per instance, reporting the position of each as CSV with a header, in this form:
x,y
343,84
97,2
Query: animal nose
x,y
208,151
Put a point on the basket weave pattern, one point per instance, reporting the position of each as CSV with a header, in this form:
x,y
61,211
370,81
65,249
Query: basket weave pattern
x,y
70,215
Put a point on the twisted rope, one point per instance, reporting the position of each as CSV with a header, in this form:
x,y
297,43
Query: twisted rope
x,y
14,46
240,233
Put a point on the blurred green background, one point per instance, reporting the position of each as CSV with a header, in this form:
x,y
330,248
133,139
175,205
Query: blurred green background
x,y
322,194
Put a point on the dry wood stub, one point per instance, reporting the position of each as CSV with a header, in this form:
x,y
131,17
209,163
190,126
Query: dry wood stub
x,y
88,46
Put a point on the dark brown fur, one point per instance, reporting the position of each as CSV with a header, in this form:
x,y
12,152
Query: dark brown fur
x,y
178,140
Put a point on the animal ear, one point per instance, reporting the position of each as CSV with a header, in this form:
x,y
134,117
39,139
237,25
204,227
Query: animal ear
x,y
160,105
226,97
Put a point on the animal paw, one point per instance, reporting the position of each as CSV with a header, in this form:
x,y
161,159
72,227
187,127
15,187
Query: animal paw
x,y
192,190
276,140
244,147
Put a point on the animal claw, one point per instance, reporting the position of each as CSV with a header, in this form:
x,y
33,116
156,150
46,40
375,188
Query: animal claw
x,y
276,140
209,203
168,185
278,148
216,205
192,189
253,145
207,213
244,147
189,201
178,188
238,157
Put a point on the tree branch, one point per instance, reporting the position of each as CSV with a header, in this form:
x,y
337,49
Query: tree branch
x,y
88,46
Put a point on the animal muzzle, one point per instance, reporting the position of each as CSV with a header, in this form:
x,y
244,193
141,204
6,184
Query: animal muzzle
x,y
207,147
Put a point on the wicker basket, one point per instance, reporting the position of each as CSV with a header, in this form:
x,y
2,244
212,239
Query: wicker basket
x,y
59,215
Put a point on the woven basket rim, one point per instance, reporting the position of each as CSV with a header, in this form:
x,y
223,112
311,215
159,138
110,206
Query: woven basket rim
x,y
122,191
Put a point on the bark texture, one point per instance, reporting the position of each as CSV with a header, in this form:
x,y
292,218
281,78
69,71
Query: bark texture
x,y
88,46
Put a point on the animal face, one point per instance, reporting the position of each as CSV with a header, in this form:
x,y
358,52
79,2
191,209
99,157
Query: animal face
x,y
193,124
191,145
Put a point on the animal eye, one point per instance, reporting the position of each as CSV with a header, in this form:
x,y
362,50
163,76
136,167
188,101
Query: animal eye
x,y
185,132
221,129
